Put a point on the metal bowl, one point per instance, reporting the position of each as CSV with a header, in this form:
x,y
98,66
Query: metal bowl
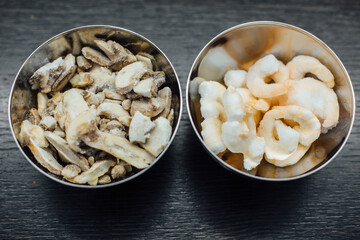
x,y
250,41
22,98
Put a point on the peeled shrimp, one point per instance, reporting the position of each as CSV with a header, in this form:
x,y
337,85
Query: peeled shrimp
x,y
235,78
240,137
312,158
315,96
300,65
251,101
233,105
258,74
211,133
211,93
308,130
215,64
212,110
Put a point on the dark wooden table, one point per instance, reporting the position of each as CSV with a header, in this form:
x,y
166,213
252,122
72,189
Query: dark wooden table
x,y
186,195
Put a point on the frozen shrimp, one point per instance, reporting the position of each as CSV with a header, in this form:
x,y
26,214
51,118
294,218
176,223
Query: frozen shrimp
x,y
300,65
211,133
307,128
235,78
259,74
212,110
211,93
315,96
240,137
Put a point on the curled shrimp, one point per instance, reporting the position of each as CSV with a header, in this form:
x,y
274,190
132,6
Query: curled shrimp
x,y
300,65
211,133
259,74
211,93
235,78
240,137
315,96
233,105
282,152
212,110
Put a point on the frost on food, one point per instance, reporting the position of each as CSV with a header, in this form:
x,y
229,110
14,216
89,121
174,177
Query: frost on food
x,y
100,112
270,112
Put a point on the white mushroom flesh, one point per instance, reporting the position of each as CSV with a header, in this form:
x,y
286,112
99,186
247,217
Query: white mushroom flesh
x,y
159,137
140,128
129,76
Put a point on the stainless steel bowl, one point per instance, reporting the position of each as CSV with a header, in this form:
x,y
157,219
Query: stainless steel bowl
x,y
22,98
250,41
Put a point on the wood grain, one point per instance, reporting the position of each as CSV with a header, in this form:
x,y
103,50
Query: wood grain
x,y
186,195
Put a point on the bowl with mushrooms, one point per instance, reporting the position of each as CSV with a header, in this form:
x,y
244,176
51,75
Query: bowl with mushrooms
x,y
95,106
270,101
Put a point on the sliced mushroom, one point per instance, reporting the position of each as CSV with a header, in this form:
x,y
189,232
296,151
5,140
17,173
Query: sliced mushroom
x,y
113,101
70,171
33,116
74,104
64,151
95,56
54,101
113,95
42,101
159,137
33,137
119,56
91,160
118,132
59,115
146,88
145,60
94,99
30,131
45,158
128,77
82,79
83,128
118,171
148,107
97,170
126,104
103,79
104,179
114,111
132,95
59,132
66,75
48,123
159,78
83,63
154,65
165,94
140,127
45,76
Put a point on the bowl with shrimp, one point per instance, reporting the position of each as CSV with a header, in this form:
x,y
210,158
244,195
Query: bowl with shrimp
x,y
270,101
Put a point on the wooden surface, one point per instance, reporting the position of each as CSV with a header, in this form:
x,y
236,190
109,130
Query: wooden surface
x,y
186,195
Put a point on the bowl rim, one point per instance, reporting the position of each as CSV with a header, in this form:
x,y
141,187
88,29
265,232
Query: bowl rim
x,y
283,25
142,171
